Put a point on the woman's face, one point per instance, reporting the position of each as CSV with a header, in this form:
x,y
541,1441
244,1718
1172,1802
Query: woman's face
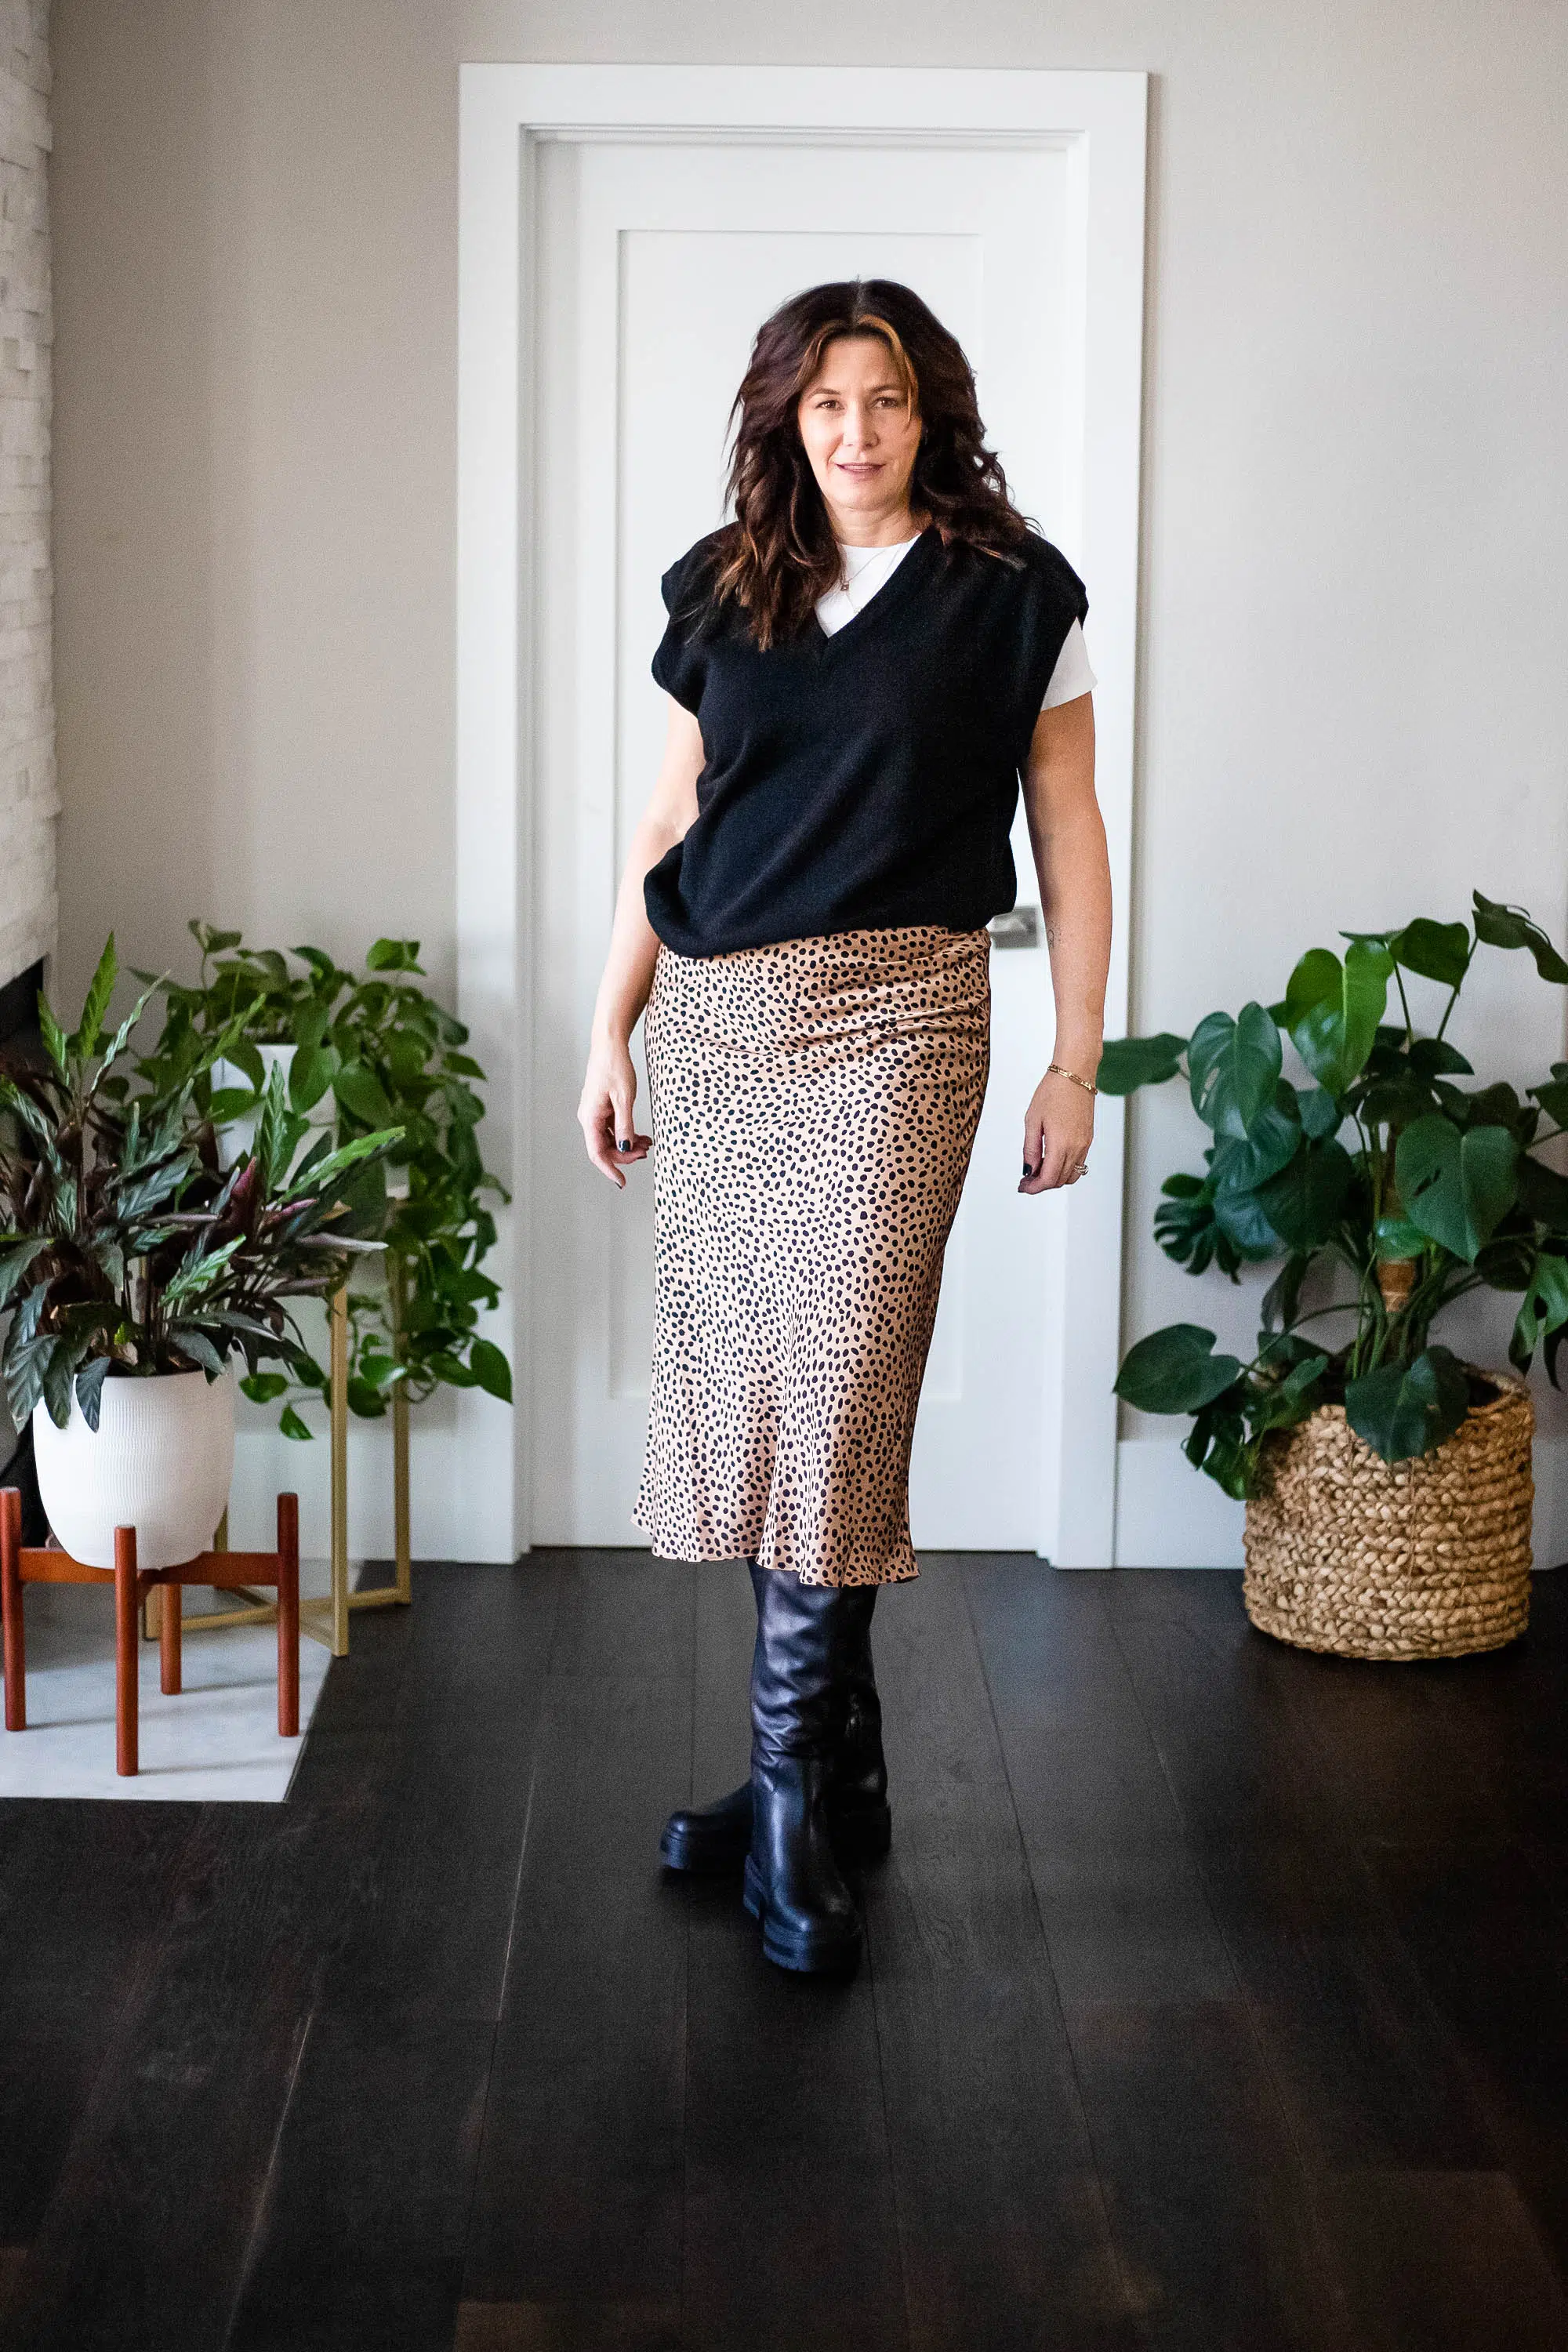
x,y
859,431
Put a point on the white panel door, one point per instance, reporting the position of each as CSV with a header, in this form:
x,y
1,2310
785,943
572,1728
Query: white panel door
x,y
655,263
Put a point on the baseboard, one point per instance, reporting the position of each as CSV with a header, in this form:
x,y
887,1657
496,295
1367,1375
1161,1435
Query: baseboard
x,y
1168,1515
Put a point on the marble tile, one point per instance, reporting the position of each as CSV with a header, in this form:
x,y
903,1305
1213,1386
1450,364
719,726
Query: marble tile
x,y
218,1740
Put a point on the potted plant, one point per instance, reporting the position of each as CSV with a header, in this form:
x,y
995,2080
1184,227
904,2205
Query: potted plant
x,y
135,1268
367,1051
1387,1483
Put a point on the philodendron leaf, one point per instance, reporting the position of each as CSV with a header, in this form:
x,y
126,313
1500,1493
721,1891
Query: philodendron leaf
x,y
1395,1239
1234,1068
1241,1219
1332,1009
1511,927
309,1075
1437,951
362,1094
1405,1410
1126,1063
494,1372
1175,1370
1456,1188
1305,1201
290,1423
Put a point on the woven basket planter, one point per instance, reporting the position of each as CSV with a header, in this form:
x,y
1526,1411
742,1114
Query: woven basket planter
x,y
1427,1558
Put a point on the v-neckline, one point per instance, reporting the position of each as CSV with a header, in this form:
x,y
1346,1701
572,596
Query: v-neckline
x,y
900,575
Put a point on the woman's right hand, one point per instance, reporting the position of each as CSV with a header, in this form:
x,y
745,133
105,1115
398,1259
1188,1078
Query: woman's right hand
x,y
605,1113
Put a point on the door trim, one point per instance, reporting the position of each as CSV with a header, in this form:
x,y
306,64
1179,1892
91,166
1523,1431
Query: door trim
x,y
505,110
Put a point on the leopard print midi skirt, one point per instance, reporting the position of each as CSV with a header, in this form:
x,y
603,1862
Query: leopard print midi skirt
x,y
814,1105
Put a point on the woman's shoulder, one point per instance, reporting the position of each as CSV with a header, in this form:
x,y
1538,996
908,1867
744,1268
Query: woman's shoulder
x,y
688,583
1028,574
1050,575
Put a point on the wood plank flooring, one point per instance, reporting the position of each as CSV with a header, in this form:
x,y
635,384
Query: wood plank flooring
x,y
1216,1996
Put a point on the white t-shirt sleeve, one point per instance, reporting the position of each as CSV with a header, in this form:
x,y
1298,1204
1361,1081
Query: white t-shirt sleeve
x,y
1072,675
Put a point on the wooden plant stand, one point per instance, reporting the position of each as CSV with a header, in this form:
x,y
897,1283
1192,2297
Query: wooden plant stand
x,y
327,1620
21,1565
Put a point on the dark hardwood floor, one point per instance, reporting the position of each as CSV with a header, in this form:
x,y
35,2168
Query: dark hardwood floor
x,y
1216,1997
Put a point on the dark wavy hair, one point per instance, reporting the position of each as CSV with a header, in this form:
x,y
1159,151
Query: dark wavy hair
x,y
779,555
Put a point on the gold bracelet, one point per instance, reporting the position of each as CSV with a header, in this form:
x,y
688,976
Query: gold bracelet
x,y
1086,1084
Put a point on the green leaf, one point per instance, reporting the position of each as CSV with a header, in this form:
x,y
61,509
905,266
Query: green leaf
x,y
1241,1219
365,1401
362,1094
394,955
229,1103
89,1389
1273,1143
1397,1239
1319,1113
100,989
1234,1068
15,1262
310,1023
1456,1188
195,1343
264,1388
311,1075
1332,1010
1511,927
1430,1057
1175,1370
245,1057
494,1373
1405,1410
1126,1063
1437,951
54,1036
1281,1301
1543,1309
1306,1200
290,1423
326,1172
1543,1194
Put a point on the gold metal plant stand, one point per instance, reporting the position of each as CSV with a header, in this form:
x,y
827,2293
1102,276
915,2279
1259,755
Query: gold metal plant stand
x,y
326,1617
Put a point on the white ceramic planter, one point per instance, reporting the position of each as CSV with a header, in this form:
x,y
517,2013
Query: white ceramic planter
x,y
161,1461
237,1136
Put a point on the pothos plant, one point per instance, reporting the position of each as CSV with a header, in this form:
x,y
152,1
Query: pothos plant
x,y
377,1050
1386,1174
125,1248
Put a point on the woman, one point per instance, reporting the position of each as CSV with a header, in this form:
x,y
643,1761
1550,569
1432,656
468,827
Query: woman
x,y
861,665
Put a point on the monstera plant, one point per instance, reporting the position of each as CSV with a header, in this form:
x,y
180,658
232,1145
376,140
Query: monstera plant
x,y
1385,1188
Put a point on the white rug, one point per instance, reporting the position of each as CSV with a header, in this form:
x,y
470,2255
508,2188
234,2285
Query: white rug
x,y
218,1739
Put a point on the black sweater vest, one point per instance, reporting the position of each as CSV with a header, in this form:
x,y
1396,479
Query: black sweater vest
x,y
868,779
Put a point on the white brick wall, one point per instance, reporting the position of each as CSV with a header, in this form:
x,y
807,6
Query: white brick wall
x,y
28,798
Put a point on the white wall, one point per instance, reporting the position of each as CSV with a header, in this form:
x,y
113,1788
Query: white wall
x,y
28,801
1353,702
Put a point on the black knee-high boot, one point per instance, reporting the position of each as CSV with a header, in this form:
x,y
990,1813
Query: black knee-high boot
x,y
718,1837
792,1885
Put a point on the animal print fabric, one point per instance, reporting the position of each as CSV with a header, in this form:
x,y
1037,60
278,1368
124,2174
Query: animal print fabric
x,y
814,1105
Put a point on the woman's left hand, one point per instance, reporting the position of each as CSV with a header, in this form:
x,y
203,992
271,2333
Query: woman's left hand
x,y
1058,1128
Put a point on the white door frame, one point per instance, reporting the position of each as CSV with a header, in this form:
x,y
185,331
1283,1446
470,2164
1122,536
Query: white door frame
x,y
1099,119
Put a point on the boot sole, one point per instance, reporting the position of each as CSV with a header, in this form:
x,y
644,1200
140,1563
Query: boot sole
x,y
856,1838
807,1954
